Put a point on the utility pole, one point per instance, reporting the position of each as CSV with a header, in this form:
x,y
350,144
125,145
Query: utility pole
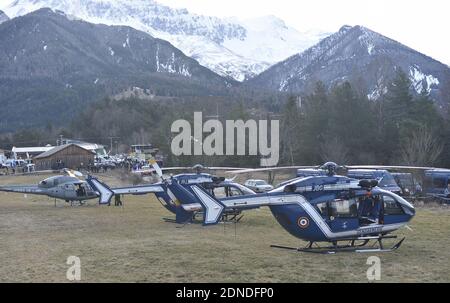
x,y
111,143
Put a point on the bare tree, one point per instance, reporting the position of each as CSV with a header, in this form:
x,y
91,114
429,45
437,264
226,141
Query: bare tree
x,y
423,148
334,150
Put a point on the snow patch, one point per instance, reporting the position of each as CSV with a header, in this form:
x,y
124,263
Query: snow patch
x,y
127,42
421,81
377,93
229,46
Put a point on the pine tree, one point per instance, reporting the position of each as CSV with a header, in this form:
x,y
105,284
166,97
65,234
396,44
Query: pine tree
x,y
290,129
315,123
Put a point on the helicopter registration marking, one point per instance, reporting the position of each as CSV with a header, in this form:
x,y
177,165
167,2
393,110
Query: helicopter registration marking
x,y
370,230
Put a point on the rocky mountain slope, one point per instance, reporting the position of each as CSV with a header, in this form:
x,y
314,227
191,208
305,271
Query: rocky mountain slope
x,y
367,59
3,17
52,66
231,47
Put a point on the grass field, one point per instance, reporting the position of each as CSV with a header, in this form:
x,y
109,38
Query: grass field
x,y
134,244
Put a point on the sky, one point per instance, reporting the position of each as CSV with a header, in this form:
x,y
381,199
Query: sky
x,y
421,25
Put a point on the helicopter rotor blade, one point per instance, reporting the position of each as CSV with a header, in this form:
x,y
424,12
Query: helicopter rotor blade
x,y
265,169
157,169
393,167
73,173
232,179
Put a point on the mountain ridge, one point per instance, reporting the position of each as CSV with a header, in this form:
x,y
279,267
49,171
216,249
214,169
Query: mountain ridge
x,y
231,47
56,66
3,17
362,56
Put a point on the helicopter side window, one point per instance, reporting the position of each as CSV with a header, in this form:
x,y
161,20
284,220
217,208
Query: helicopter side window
x,y
340,208
322,208
387,180
428,183
232,191
219,192
439,183
391,206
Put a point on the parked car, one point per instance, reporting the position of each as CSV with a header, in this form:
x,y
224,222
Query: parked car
x,y
258,186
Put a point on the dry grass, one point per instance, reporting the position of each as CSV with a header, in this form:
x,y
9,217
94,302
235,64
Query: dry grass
x,y
134,244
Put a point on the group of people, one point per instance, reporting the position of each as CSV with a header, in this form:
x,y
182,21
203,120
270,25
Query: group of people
x,y
130,164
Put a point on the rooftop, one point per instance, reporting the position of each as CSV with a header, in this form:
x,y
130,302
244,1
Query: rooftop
x,y
35,149
58,149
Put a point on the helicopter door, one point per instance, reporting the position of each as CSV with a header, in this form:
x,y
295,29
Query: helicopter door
x,y
343,215
370,210
80,190
69,191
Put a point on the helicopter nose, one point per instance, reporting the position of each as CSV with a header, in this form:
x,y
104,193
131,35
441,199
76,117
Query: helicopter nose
x,y
411,211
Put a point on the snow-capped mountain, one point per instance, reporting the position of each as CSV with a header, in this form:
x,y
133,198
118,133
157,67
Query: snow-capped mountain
x,y
236,48
3,17
365,58
56,66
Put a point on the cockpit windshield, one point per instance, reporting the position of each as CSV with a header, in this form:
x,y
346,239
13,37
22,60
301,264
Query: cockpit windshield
x,y
56,180
406,180
387,180
47,183
245,190
231,191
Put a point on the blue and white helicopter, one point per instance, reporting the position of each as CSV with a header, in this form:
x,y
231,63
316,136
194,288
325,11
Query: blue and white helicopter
x,y
331,208
219,187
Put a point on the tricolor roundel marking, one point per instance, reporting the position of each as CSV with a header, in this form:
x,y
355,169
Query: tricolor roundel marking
x,y
303,222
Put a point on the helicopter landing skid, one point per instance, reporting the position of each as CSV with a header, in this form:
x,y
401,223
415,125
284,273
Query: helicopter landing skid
x,y
351,247
232,218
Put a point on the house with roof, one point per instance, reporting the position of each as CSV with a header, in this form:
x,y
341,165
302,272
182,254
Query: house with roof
x,y
71,156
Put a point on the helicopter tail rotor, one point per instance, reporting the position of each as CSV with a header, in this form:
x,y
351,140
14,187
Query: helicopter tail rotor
x,y
157,169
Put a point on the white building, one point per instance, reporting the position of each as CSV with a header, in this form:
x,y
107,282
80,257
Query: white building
x,y
29,152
